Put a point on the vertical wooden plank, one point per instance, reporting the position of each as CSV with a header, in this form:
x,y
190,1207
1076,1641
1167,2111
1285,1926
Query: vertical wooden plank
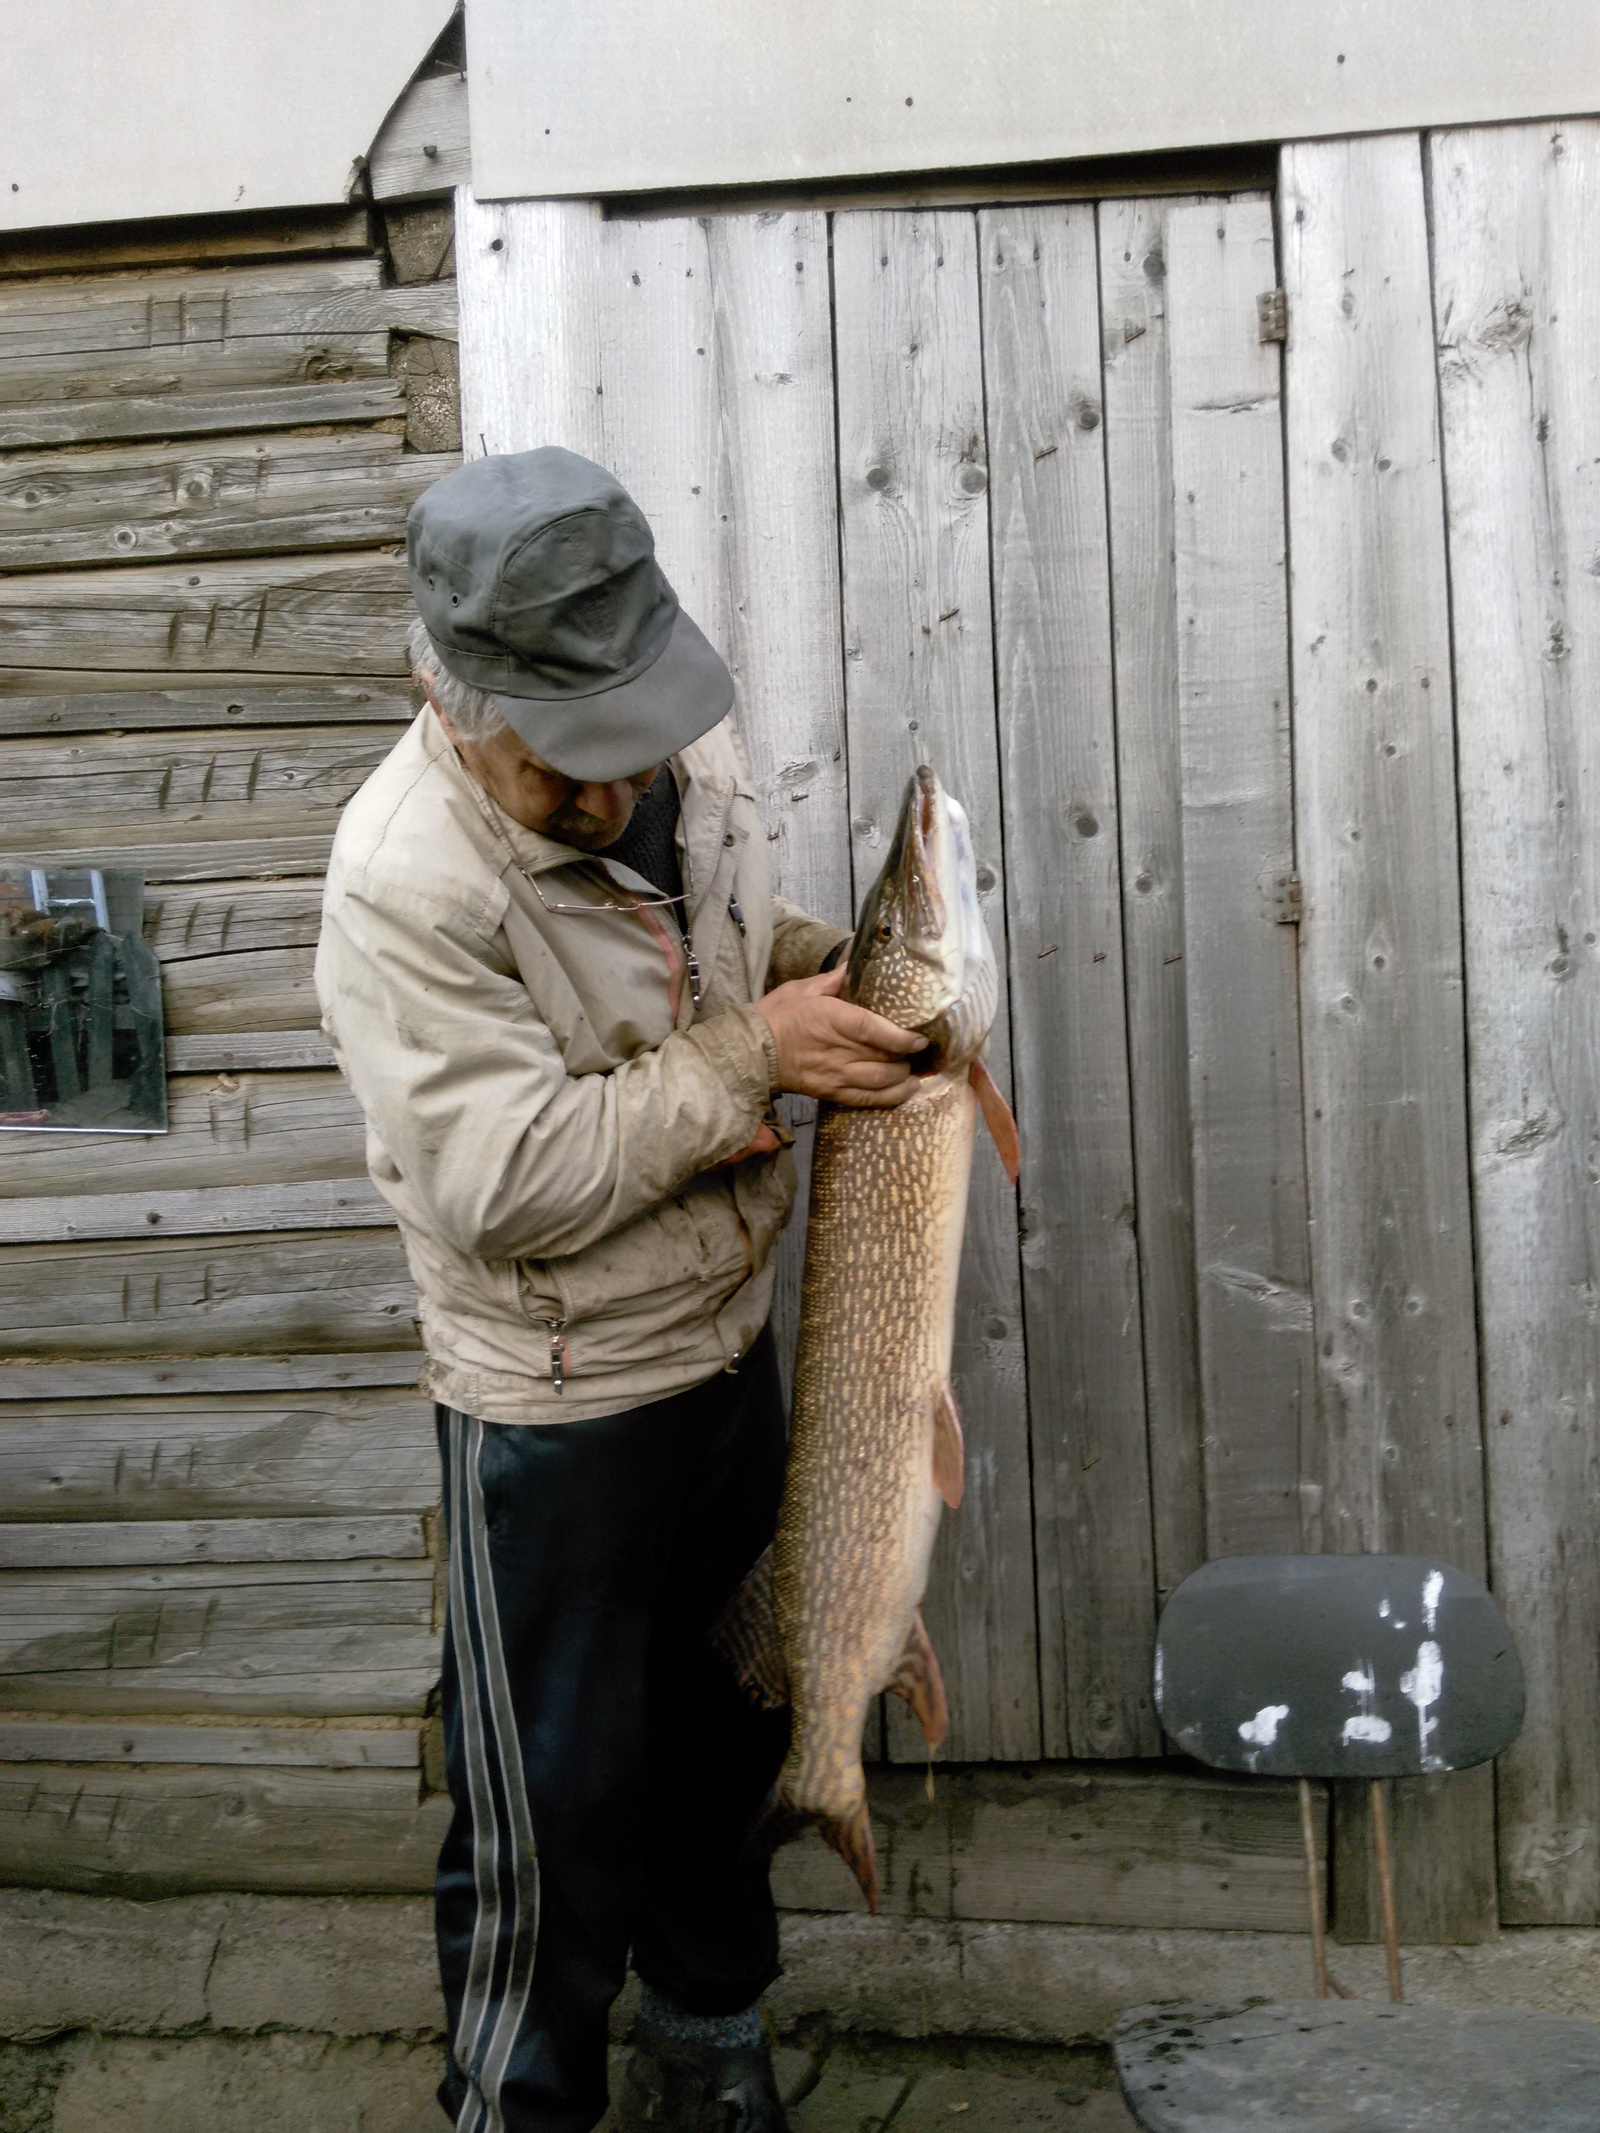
x,y
1381,1006
919,685
1138,411
1518,315
718,416
1091,1477
1252,1277
530,338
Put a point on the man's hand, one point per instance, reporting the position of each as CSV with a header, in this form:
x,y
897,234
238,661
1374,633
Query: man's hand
x,y
830,1048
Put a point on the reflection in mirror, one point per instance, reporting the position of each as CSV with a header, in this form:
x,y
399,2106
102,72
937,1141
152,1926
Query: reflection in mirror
x,y
80,1004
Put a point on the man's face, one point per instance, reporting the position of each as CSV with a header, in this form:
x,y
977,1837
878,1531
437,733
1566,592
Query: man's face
x,y
589,817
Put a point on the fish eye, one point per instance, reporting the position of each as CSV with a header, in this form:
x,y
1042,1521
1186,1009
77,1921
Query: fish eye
x,y
883,931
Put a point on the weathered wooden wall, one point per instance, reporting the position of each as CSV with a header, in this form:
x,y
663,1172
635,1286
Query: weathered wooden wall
x,y
1262,669
1298,973
219,1598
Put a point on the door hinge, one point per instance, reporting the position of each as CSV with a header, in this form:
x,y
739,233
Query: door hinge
x,y
1272,315
1288,900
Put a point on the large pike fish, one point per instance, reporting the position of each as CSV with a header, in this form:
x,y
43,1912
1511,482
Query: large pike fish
x,y
830,1618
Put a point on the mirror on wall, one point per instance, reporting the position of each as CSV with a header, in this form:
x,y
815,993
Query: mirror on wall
x,y
81,1047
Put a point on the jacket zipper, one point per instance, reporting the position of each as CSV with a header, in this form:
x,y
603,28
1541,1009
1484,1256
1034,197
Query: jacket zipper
x,y
558,1352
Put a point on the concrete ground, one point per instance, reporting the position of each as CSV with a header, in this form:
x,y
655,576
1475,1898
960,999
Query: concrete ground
x,y
865,2085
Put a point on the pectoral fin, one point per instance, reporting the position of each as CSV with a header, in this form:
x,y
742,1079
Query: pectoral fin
x,y
998,1118
949,1450
746,1635
917,1681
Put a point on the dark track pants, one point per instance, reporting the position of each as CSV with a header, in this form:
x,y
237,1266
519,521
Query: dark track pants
x,y
587,1720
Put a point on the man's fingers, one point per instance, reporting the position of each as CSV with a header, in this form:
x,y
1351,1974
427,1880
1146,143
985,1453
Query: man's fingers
x,y
863,1027
857,1099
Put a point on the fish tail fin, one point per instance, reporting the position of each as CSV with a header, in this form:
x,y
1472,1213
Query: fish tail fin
x,y
918,1682
746,1635
851,1837
998,1117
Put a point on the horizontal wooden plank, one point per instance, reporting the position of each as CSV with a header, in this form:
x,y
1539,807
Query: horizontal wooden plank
x,y
204,411
423,145
1090,1845
365,1453
143,703
262,361
339,1289
272,1130
164,308
185,242
99,1543
241,1049
212,995
230,917
300,1637
284,615
252,495
171,1375
307,1745
146,1833
325,1203
186,805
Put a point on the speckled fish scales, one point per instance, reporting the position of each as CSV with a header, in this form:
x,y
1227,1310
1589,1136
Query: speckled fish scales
x,y
873,1439
828,1620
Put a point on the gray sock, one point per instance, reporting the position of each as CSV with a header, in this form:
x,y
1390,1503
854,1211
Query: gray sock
x,y
718,2032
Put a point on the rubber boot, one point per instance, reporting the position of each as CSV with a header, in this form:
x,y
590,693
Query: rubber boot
x,y
673,2087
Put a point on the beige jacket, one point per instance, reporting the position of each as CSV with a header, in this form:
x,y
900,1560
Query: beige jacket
x,y
548,1112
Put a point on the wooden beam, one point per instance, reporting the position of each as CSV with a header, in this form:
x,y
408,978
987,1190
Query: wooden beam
x,y
220,1210
217,1637
282,615
272,1130
187,805
304,1744
1080,1275
1381,956
1518,323
175,1375
79,315
1240,965
1169,1849
1138,425
230,1050
919,678
146,1833
101,1543
97,702
225,1455
159,412
211,995
186,241
337,1289
423,145
252,495
230,917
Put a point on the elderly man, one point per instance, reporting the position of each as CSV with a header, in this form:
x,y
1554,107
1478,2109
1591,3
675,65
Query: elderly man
x,y
553,970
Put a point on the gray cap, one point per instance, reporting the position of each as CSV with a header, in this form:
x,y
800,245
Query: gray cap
x,y
536,576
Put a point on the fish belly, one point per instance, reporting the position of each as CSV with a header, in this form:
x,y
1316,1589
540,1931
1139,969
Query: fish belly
x,y
861,1509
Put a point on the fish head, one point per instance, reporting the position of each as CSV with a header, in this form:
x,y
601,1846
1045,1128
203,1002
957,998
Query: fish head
x,y
921,954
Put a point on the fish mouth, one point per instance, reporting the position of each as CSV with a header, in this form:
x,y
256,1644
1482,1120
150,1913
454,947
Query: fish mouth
x,y
921,953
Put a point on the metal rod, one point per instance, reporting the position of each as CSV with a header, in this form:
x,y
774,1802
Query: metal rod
x,y
1319,1937
1391,1929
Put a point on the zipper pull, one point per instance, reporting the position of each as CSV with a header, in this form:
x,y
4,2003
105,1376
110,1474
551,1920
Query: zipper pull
x,y
737,916
693,962
558,1353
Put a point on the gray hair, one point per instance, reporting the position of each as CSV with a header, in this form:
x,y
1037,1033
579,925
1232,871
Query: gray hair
x,y
469,710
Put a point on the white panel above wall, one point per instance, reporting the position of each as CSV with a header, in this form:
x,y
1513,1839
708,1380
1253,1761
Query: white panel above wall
x,y
191,107
634,95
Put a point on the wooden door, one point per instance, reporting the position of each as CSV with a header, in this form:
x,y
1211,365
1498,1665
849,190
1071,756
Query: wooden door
x,y
1002,490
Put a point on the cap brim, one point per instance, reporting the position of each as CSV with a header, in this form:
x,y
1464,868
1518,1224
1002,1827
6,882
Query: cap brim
x,y
618,732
